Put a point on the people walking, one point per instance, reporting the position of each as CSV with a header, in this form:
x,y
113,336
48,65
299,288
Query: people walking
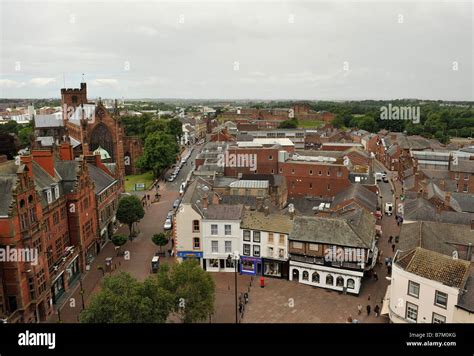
x,y
376,277
390,239
377,311
393,247
368,309
359,309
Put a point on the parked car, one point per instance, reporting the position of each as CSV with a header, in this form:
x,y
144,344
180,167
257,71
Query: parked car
x,y
182,188
171,178
170,214
388,208
176,203
168,224
155,264
385,178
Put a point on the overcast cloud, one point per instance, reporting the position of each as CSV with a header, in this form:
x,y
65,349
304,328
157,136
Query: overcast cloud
x,y
242,50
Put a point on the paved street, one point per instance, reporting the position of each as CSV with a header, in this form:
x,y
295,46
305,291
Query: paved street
x,y
283,301
140,250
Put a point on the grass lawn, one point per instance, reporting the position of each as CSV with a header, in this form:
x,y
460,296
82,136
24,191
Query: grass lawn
x,y
310,124
130,180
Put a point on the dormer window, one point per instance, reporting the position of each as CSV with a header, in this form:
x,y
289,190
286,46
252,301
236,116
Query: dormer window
x,y
49,196
56,191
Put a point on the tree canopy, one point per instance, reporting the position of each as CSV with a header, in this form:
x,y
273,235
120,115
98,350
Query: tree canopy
x,y
129,211
185,290
159,152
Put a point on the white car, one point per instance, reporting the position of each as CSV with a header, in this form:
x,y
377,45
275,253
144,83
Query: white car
x,y
168,224
182,188
388,208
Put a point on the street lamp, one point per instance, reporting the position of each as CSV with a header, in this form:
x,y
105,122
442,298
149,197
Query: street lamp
x,y
234,257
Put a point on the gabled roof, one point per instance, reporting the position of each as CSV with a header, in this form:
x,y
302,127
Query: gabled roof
x,y
7,186
435,266
223,212
355,230
436,236
464,165
359,194
256,220
101,179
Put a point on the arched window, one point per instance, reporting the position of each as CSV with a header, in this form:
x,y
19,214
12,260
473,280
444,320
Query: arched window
x,y
305,276
315,277
350,283
329,280
340,281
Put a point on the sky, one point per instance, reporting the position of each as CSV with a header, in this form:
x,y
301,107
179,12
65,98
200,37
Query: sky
x,y
295,50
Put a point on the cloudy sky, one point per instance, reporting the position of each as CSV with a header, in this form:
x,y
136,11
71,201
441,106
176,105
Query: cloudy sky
x,y
239,49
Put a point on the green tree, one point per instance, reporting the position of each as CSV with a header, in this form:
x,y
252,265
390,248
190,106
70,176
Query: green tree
x,y
175,128
129,211
159,152
193,290
25,135
123,299
288,124
160,240
338,122
119,240
157,125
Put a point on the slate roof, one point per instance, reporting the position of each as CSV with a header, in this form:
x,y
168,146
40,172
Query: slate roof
x,y
435,266
67,171
360,194
101,179
52,120
466,297
355,230
223,212
256,220
435,236
464,165
7,186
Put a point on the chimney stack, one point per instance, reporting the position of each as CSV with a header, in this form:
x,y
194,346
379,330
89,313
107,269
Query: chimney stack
x,y
205,202
45,159
469,251
266,210
28,162
65,152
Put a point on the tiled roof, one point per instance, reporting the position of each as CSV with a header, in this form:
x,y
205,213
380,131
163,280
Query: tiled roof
x,y
101,179
355,230
223,212
358,193
256,220
435,266
464,165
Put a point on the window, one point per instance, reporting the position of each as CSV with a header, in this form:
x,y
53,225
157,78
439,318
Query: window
x,y
270,237
329,172
228,229
465,190
270,251
315,277
413,289
313,247
270,157
246,249
329,280
256,236
282,239
456,176
441,299
292,171
305,276
350,283
214,246
329,186
297,245
411,312
56,218
56,191
246,235
33,215
281,170
228,246
320,172
196,227
466,177
340,281
49,196
310,185
196,243
214,229
438,319
256,250
310,172
339,172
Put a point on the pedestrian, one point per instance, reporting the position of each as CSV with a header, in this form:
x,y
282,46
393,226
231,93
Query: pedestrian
x,y
397,238
390,239
359,309
368,298
376,277
368,309
389,270
393,247
377,311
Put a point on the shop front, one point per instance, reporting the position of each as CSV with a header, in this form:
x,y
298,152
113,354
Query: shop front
x,y
185,255
218,263
275,268
250,265
57,288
